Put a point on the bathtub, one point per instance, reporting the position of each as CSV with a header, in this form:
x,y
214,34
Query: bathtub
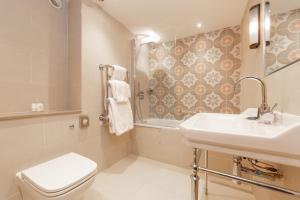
x,y
159,123
160,139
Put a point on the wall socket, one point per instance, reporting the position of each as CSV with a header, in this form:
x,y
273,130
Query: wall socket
x,y
37,107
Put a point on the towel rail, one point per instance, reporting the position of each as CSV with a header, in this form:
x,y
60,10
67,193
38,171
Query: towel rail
x,y
105,68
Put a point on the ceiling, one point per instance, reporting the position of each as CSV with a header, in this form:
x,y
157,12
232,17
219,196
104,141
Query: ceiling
x,y
175,18
280,6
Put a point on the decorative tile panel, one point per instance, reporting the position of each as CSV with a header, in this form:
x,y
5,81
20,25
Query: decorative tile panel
x,y
189,79
189,100
195,74
284,45
213,78
189,59
213,55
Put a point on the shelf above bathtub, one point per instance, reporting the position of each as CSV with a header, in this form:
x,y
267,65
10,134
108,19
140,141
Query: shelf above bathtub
x,y
27,115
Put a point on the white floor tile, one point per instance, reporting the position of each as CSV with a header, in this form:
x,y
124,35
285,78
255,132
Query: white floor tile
x,y
137,178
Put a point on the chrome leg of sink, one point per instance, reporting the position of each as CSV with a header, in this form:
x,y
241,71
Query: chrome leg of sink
x,y
194,176
205,174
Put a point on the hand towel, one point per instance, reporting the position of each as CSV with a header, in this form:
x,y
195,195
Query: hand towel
x,y
120,116
118,73
120,90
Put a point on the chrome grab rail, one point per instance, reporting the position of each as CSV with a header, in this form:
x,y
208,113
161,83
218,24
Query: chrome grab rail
x,y
252,182
195,178
104,116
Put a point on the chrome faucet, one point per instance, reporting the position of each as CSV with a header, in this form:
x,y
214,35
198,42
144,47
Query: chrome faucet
x,y
264,107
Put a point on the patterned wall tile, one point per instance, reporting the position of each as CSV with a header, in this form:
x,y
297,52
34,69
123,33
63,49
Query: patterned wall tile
x,y
189,79
195,74
213,78
189,59
284,46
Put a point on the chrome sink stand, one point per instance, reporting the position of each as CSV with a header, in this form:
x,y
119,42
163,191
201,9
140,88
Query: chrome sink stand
x,y
195,178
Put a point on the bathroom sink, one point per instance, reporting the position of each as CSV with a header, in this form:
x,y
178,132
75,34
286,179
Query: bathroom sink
x,y
235,134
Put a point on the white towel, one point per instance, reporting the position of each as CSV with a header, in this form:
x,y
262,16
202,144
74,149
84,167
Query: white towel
x,y
120,117
120,90
118,73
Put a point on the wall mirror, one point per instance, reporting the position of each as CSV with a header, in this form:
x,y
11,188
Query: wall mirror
x,y
35,61
283,40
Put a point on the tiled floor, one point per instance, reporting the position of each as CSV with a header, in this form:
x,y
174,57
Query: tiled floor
x,y
137,178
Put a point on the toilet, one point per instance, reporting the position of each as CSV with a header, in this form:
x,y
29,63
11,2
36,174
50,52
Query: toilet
x,y
64,178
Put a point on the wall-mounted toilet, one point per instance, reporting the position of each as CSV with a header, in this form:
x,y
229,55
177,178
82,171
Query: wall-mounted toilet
x,y
64,178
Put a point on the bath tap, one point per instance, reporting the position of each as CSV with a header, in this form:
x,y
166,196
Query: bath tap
x,y
264,107
141,95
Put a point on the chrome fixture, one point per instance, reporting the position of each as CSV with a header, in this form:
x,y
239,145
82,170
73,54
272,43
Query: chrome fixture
x,y
253,182
264,107
273,173
236,168
106,71
267,23
72,126
261,169
205,174
141,95
150,91
195,176
56,3
254,26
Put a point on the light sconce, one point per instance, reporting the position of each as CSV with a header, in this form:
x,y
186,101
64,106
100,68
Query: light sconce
x,y
254,27
267,23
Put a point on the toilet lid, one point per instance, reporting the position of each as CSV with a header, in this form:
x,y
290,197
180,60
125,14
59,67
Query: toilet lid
x,y
60,173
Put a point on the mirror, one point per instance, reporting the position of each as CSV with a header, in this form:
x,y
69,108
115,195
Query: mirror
x,y
283,47
35,61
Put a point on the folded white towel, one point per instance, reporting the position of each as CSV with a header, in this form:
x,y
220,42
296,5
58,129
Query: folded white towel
x,y
118,73
120,117
120,90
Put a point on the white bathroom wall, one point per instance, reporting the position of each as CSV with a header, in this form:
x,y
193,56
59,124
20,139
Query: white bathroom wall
x,y
24,143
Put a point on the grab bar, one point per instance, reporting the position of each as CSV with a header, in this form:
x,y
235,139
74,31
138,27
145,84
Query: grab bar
x,y
252,182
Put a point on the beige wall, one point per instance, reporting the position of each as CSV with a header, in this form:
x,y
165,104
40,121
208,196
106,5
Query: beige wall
x,y
27,142
74,33
33,55
252,62
168,146
283,88
104,41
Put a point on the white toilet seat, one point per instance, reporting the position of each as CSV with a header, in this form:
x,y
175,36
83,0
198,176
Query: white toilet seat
x,y
59,177
62,192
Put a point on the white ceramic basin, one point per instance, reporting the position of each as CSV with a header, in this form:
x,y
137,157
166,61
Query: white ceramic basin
x,y
234,134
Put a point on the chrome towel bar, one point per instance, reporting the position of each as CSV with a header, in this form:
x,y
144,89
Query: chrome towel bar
x,y
106,77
